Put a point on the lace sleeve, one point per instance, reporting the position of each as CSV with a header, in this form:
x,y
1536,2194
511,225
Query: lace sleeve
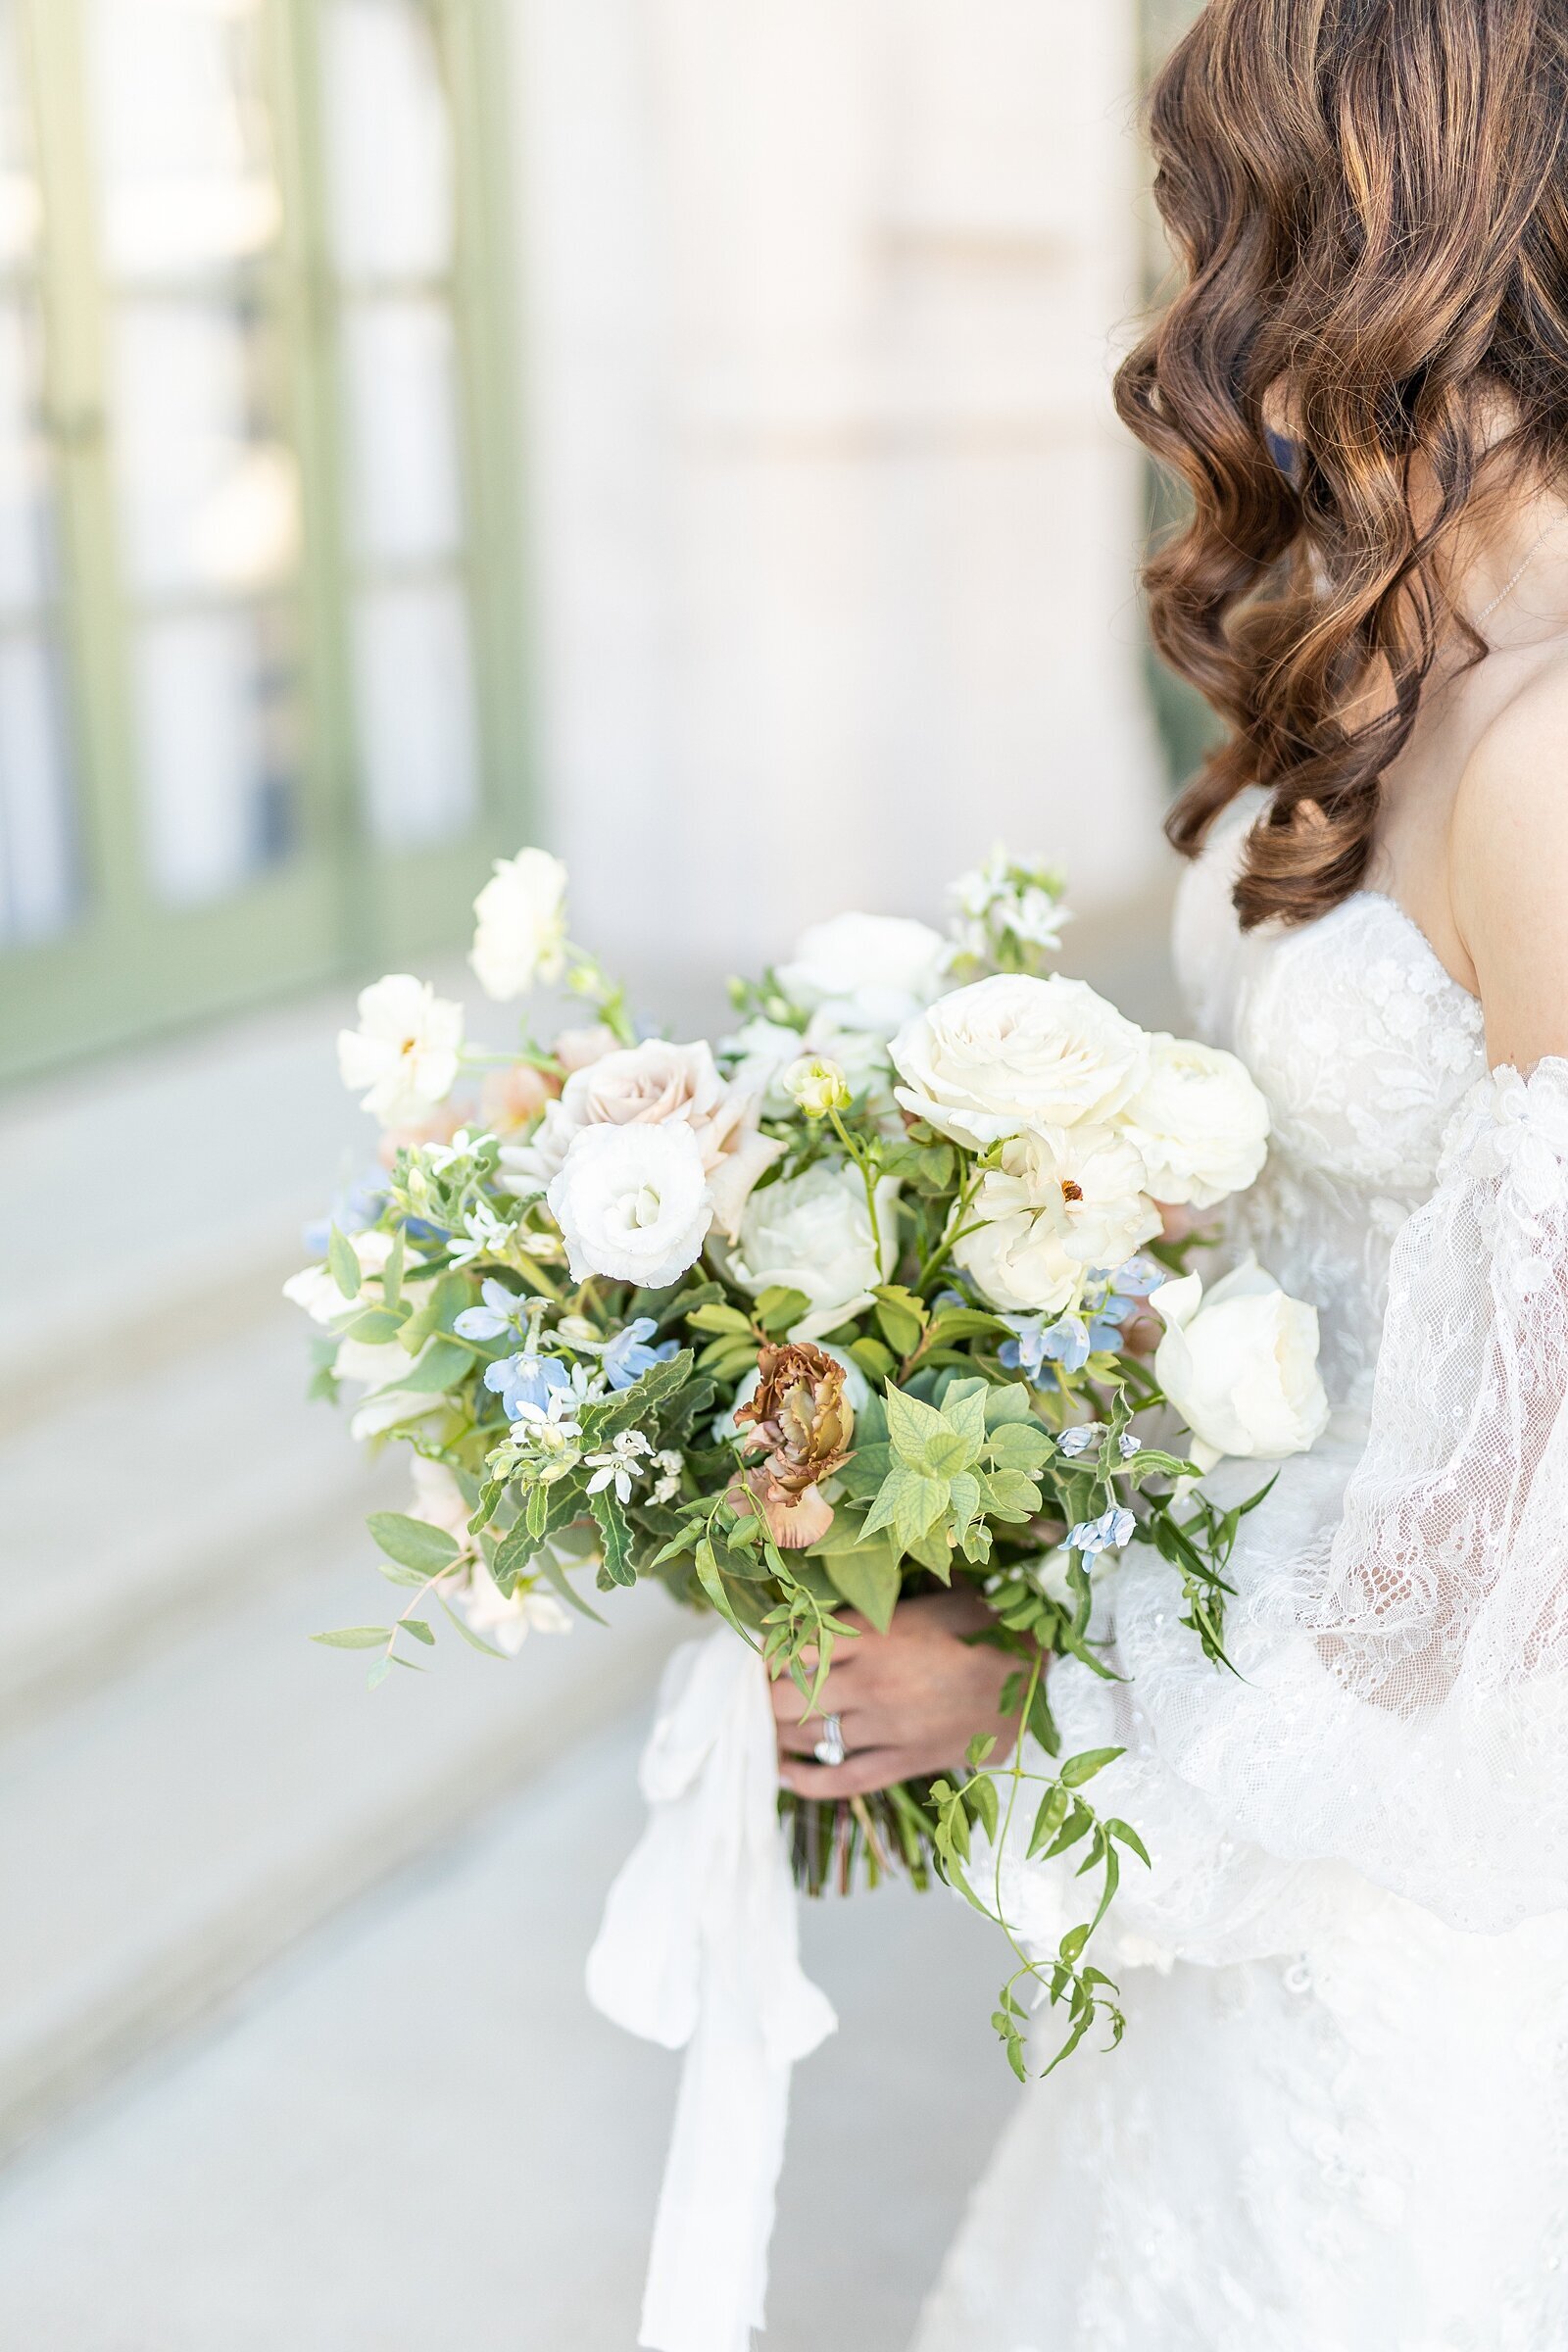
x,y
1402,1693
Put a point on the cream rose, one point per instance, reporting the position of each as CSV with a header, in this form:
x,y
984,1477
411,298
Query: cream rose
x,y
1064,1201
813,1234
869,972
1240,1365
1199,1122
655,1085
632,1203
1013,1052
520,937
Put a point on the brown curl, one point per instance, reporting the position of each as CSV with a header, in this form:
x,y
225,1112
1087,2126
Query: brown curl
x,y
1370,201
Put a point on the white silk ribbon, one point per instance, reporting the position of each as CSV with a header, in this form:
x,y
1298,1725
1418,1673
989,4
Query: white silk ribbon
x,y
700,1950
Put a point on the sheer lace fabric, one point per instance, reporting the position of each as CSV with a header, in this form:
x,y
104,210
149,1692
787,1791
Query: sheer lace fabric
x,y
1349,2126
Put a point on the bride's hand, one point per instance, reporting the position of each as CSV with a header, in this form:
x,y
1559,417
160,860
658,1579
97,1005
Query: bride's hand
x,y
910,1700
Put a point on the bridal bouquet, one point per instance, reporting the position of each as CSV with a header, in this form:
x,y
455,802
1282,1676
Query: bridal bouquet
x,y
868,1297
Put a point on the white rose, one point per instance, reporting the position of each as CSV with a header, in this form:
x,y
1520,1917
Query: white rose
x,y
1065,1202
522,934
1240,1365
633,1203
1013,1052
657,1085
813,1233
1199,1122
868,971
405,1051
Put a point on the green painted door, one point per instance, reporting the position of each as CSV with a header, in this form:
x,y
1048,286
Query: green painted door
x,y
259,627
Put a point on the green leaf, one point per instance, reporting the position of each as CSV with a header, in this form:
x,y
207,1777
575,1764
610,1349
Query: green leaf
x,y
779,1307
1010,1496
411,1542
551,1568
980,1797
719,1318
379,1674
1080,1821
979,1750
1071,1947
1125,1834
1021,1446
376,1325
865,1573
711,1580
617,1537
902,1331
343,1264
392,1271
470,1636
877,1362
444,1363
908,1503
912,1425
1082,1768
934,1552
355,1636
1008,1404
1048,1820
419,1630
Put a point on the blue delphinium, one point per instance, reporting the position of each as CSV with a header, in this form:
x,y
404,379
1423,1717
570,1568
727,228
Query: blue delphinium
x,y
1037,1342
354,1210
628,1356
527,1379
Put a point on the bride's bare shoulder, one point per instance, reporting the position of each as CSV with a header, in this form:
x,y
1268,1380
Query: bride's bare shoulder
x,y
1508,870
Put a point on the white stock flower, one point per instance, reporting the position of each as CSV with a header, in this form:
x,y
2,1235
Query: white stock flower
x,y
813,1233
633,1203
1013,1052
520,938
404,1051
1064,1201
1199,1122
869,972
1240,1365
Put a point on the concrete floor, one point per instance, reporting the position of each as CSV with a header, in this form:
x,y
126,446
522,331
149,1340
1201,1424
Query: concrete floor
x,y
415,2135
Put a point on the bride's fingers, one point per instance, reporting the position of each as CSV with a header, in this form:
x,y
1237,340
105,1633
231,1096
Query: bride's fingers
x,y
792,1706
798,1738
858,1776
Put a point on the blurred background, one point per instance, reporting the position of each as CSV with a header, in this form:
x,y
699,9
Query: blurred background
x,y
676,432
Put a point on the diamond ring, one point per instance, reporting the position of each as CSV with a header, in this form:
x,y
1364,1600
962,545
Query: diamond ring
x,y
830,1748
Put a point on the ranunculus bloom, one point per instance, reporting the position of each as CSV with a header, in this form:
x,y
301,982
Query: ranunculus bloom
x,y
405,1051
813,1233
633,1203
511,1098
1199,1122
520,937
658,1085
869,972
800,1419
575,1049
1240,1365
1013,1052
1064,1201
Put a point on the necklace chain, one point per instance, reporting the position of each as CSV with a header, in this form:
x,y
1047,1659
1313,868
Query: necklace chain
x,y
1504,593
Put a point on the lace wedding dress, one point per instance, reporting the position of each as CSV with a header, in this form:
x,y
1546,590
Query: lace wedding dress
x,y
1339,2119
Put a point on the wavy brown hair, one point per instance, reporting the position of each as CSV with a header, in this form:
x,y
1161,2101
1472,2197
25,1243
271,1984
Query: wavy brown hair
x,y
1370,199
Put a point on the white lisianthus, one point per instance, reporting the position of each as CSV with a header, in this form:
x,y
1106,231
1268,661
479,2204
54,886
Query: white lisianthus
x,y
871,973
817,1086
520,937
813,1233
1065,1202
655,1085
1240,1365
1013,1052
633,1203
1199,1122
315,1288
404,1051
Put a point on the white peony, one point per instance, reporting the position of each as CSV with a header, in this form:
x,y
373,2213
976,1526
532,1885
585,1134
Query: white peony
x,y
633,1203
871,973
520,937
655,1085
1240,1365
813,1233
1065,1201
1013,1052
1199,1122
404,1051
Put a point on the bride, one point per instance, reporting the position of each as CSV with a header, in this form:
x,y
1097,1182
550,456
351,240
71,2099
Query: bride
x,y
1340,2122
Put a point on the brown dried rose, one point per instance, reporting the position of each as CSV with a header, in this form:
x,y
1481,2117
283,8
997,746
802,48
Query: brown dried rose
x,y
803,1423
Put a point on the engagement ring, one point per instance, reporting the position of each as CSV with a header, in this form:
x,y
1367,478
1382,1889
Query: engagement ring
x,y
830,1748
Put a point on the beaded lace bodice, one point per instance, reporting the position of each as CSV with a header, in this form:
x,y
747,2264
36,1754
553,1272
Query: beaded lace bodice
x,y
1339,2120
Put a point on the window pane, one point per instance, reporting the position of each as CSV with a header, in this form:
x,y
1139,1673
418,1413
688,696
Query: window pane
x,y
183,138
400,430
37,852
20,205
210,491
27,551
389,141
414,676
215,699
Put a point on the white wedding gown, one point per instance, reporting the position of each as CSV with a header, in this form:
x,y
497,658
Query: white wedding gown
x,y
1339,2119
